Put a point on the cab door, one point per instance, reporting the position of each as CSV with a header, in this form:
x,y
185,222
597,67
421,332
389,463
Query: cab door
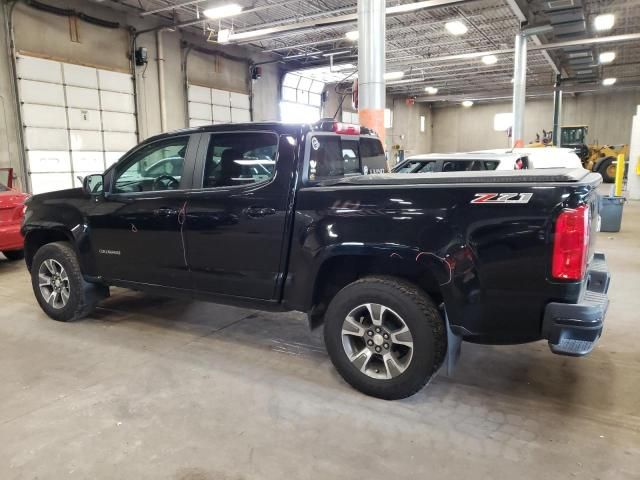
x,y
235,223
136,228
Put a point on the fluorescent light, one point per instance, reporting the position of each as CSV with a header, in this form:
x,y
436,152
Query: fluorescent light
x,y
607,82
431,90
393,75
331,54
467,103
456,27
607,57
408,7
604,22
489,59
252,34
352,35
223,11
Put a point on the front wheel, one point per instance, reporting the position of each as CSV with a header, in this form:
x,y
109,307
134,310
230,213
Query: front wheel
x,y
59,286
608,170
385,337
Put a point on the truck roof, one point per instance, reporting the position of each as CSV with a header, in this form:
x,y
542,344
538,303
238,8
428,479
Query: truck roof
x,y
279,127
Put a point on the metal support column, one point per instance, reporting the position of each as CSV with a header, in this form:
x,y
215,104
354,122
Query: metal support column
x,y
371,64
557,110
519,90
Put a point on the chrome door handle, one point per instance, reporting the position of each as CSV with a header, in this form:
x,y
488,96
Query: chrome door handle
x,y
165,212
256,212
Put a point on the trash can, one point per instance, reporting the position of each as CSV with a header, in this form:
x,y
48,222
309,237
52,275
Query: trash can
x,y
611,213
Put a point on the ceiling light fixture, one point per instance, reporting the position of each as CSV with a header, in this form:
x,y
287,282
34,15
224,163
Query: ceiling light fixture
x,y
467,103
607,57
604,22
489,59
393,75
431,90
352,35
222,11
456,27
607,82
333,54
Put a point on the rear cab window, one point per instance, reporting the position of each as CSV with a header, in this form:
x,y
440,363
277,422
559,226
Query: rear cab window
x,y
333,156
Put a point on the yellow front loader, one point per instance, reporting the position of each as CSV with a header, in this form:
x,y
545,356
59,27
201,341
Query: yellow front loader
x,y
596,157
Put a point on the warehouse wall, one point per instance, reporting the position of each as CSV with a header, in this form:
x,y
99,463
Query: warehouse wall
x,y
47,35
405,131
10,147
462,129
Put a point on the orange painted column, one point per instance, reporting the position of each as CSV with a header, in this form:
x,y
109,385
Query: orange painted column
x,y
371,64
373,118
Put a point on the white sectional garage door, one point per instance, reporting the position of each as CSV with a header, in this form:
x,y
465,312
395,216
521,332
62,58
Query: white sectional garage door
x,y
77,120
211,106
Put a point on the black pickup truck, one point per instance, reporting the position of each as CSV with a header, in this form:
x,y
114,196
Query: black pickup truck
x,y
398,268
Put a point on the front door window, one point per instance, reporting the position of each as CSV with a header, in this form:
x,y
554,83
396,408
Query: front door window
x,y
156,167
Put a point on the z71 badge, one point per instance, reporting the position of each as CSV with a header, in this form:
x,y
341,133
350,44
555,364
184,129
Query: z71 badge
x,y
502,198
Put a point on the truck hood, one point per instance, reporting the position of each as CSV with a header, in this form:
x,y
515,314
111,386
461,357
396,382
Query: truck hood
x,y
71,193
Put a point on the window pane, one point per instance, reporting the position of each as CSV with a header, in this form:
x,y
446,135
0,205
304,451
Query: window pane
x,y
370,147
240,159
457,165
315,99
388,118
351,156
326,157
289,94
298,113
156,167
426,167
317,87
305,84
291,80
303,96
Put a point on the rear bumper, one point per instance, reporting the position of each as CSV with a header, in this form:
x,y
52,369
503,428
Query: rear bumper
x,y
10,237
573,328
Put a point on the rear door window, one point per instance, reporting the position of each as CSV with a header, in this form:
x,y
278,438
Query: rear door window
x,y
458,165
240,158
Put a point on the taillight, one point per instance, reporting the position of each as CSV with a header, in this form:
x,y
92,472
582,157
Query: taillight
x,y
346,128
571,243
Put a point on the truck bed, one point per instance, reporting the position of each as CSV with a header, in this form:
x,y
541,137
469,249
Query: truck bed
x,y
549,175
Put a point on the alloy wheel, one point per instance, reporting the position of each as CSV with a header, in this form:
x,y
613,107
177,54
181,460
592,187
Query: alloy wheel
x,y
54,283
377,341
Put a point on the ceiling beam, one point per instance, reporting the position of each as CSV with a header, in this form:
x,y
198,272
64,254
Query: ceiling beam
x,y
518,10
627,37
507,95
252,35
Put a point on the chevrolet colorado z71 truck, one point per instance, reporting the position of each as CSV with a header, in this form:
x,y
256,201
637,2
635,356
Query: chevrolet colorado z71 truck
x,y
398,268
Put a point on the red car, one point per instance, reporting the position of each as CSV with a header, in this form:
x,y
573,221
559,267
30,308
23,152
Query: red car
x,y
11,214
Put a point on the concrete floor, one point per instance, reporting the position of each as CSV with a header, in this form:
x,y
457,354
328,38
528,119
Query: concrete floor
x,y
164,389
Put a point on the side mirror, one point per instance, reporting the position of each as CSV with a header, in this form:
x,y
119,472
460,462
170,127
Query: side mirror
x,y
93,184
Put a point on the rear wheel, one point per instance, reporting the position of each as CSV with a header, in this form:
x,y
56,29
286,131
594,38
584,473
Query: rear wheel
x,y
14,254
58,284
608,170
384,336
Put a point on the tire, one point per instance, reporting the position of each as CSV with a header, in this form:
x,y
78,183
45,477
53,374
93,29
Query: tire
x,y
368,372
605,169
14,254
81,298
